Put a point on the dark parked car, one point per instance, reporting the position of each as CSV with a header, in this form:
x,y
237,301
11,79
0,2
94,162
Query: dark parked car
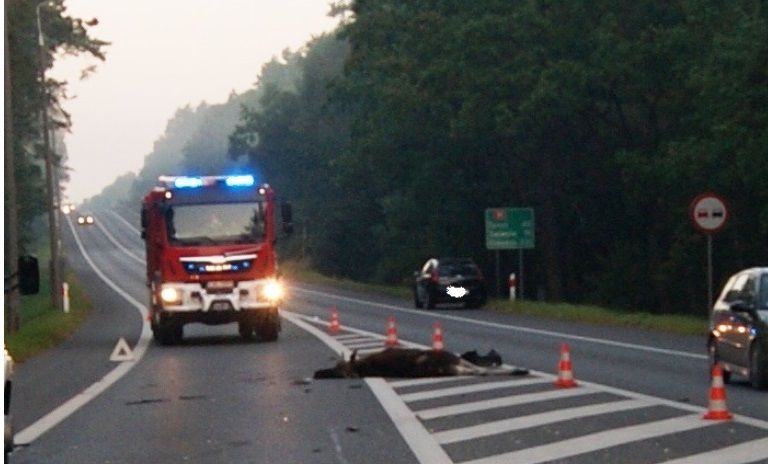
x,y
738,327
449,280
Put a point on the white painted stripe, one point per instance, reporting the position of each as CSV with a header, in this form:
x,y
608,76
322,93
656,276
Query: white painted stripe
x,y
534,420
596,441
464,389
368,351
50,420
421,442
131,226
549,333
335,345
119,245
475,406
368,344
352,337
427,381
751,451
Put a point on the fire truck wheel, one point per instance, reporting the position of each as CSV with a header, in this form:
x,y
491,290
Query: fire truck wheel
x,y
168,333
268,328
245,329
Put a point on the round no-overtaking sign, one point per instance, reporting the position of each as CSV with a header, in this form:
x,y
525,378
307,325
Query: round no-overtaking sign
x,y
709,212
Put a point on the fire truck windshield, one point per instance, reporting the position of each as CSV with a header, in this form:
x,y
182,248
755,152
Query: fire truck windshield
x,y
220,223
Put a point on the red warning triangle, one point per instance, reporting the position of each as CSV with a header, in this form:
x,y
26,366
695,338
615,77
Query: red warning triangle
x,y
122,352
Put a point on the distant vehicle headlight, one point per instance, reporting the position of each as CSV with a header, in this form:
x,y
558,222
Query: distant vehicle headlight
x,y
273,290
89,219
170,295
80,220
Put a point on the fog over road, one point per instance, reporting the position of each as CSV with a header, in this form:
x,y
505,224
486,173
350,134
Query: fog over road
x,y
218,398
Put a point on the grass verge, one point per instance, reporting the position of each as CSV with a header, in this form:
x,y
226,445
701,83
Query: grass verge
x,y
42,327
587,314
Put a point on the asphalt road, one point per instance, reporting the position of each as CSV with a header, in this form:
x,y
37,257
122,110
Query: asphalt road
x,y
216,398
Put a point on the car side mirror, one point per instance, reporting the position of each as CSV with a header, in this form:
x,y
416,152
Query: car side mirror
x,y
29,275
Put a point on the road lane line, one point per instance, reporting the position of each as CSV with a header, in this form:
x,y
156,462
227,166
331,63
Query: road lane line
x,y
120,245
478,387
50,420
418,439
349,337
428,381
750,451
497,325
597,441
125,222
534,420
475,406
363,345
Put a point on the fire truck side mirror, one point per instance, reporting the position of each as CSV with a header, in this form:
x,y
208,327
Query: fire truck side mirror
x,y
29,275
286,211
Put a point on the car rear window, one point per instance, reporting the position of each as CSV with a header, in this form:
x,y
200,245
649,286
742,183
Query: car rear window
x,y
451,270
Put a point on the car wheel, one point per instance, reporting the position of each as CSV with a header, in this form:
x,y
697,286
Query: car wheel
x,y
416,301
714,357
267,331
245,329
430,300
758,367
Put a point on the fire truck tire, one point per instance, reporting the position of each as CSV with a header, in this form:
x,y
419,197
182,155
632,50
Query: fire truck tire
x,y
168,333
245,329
268,327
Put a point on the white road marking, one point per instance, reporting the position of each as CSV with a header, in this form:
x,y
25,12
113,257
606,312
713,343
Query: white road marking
x,y
130,226
415,435
534,420
464,389
496,325
596,441
428,381
751,451
349,337
45,423
421,442
120,245
368,344
475,406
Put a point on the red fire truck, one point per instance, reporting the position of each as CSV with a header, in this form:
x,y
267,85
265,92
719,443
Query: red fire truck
x,y
210,255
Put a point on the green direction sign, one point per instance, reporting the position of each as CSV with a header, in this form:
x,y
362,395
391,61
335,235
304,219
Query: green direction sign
x,y
509,228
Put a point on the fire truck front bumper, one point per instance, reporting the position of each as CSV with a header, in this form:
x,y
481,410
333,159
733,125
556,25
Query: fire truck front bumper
x,y
220,296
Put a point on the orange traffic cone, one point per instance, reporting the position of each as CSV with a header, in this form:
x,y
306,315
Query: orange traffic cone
x,y
334,327
565,370
437,337
391,333
717,408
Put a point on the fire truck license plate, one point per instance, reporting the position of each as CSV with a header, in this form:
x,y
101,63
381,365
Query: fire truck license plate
x,y
220,306
220,285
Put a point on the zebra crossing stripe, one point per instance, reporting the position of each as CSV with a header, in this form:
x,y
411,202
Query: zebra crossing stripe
x,y
480,387
443,411
751,451
597,441
534,420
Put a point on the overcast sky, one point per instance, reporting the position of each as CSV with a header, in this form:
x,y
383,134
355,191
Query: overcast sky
x,y
166,54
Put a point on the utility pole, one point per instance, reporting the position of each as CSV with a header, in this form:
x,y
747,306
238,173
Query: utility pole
x,y
11,213
53,222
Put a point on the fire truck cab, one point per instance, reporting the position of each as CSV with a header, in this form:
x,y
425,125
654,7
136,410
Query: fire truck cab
x,y
210,255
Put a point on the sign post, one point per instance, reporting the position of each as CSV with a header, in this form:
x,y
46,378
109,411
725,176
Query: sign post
x,y
709,214
509,229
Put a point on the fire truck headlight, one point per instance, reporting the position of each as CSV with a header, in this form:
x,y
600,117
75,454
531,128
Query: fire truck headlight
x,y
170,295
273,290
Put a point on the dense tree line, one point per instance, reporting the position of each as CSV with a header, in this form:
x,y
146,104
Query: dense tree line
x,y
392,135
606,117
62,34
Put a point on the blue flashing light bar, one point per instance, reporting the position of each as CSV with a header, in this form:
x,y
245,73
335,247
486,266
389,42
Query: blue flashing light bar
x,y
188,182
240,181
